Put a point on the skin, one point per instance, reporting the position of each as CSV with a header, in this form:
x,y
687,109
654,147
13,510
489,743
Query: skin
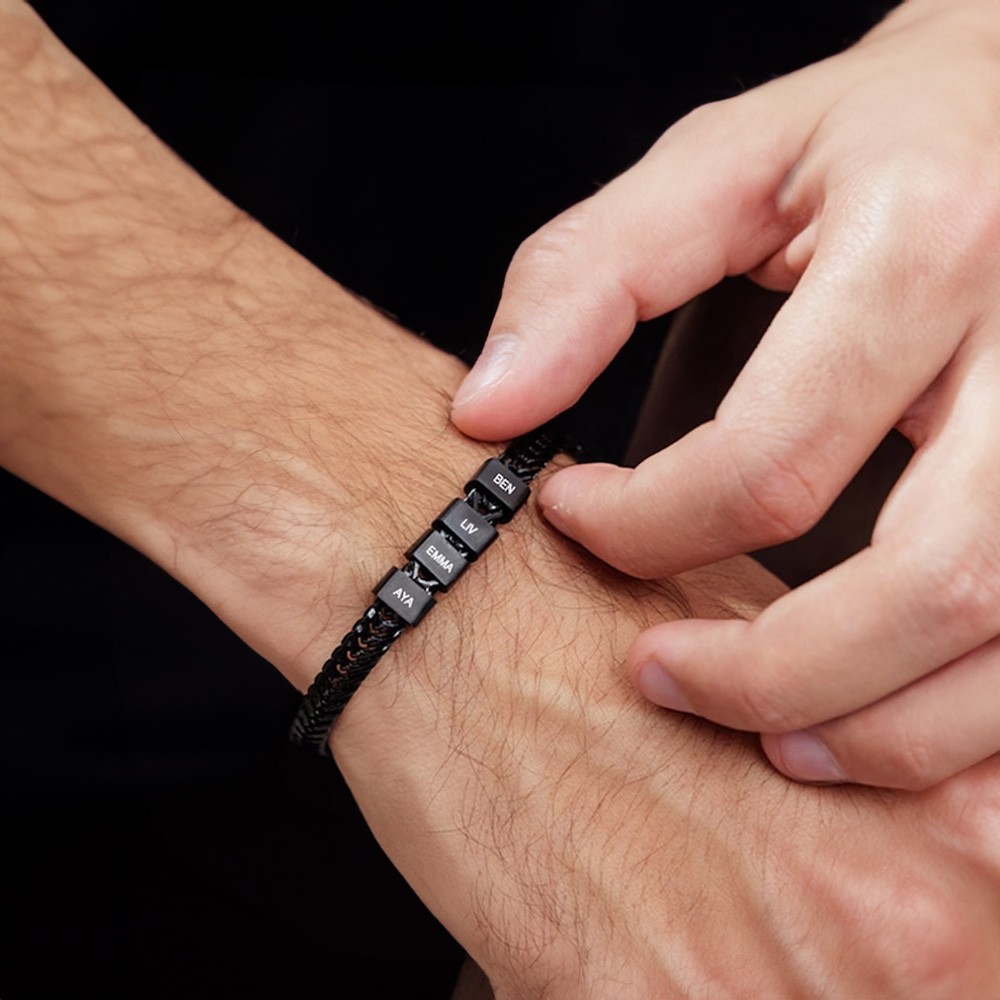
x,y
867,185
175,373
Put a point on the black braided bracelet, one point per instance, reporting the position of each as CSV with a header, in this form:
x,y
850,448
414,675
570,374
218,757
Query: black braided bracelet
x,y
460,534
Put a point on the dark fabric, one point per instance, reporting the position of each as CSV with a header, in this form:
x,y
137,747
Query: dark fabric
x,y
162,839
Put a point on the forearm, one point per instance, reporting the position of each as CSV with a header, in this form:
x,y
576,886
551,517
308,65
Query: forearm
x,y
176,374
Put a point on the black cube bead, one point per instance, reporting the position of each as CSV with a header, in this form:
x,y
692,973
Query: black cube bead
x,y
435,554
500,484
471,530
405,596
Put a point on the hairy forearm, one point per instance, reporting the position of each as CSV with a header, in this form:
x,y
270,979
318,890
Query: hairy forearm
x,y
176,374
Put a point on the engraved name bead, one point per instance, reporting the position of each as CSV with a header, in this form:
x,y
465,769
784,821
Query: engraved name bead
x,y
500,484
435,554
405,596
468,528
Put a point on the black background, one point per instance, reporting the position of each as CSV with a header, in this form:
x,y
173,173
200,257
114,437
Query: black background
x,y
162,840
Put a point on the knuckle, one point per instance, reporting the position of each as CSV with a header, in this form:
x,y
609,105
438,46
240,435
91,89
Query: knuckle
x,y
958,591
706,118
777,496
551,246
912,761
695,121
763,702
920,216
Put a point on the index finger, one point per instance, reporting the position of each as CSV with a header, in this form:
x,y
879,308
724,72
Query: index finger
x,y
698,206
847,354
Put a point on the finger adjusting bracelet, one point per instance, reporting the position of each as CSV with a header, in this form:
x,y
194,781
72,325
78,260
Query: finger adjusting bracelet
x,y
461,533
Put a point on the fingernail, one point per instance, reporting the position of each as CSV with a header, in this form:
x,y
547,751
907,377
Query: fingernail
x,y
490,369
805,757
659,687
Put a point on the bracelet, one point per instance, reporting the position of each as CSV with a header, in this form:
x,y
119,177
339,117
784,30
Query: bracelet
x,y
460,534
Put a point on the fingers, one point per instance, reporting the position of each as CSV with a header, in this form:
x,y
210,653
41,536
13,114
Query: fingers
x,y
698,206
843,359
912,739
890,661
883,619
921,596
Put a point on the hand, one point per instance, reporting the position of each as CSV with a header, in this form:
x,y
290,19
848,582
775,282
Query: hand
x,y
868,185
578,845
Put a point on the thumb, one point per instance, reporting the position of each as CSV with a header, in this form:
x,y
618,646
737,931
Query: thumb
x,y
698,206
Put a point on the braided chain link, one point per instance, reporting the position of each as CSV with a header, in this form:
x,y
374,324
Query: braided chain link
x,y
342,674
379,627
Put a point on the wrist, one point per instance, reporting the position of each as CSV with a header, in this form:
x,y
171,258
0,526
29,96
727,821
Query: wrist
x,y
316,484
